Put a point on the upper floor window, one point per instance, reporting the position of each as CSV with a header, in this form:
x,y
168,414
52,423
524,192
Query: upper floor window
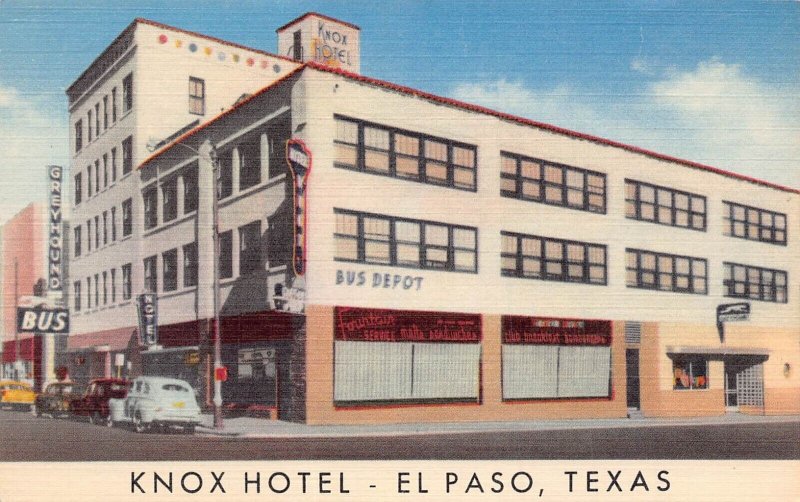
x,y
388,240
755,283
190,264
97,119
197,96
97,176
150,203
666,272
127,93
225,182
553,259
89,125
126,282
169,192
78,135
77,238
89,234
169,261
666,206
150,277
89,180
76,292
127,217
389,151
250,248
191,191
105,112
226,254
89,292
754,224
113,164
114,105
538,180
105,170
113,224
127,155
249,162
78,188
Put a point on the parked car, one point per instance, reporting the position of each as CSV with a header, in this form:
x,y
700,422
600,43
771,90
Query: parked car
x,y
157,402
94,402
16,394
56,398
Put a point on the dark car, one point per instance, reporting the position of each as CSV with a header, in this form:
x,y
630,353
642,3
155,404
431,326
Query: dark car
x,y
94,402
56,399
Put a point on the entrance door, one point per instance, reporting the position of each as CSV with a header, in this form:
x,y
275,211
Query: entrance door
x,y
632,370
731,387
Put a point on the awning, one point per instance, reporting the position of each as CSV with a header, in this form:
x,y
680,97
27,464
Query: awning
x,y
719,351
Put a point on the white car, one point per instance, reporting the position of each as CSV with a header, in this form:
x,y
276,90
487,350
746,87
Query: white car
x,y
157,401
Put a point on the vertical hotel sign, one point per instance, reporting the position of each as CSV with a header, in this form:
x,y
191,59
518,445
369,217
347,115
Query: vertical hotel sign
x,y
55,236
299,158
147,307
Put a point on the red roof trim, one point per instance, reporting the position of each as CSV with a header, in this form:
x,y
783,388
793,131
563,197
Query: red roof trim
x,y
323,16
199,128
542,125
213,39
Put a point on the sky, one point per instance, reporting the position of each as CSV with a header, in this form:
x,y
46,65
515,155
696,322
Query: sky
x,y
717,82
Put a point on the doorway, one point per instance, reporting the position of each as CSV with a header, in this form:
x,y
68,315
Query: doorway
x,y
744,383
632,372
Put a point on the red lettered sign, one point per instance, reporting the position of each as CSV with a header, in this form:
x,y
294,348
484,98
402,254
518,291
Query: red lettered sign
x,y
381,325
221,374
555,331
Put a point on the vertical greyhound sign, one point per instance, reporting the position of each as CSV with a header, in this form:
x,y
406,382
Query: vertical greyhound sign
x,y
299,158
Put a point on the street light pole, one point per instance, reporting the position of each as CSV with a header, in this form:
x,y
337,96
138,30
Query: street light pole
x,y
16,330
218,424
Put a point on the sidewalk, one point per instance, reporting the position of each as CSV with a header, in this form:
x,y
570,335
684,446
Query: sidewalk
x,y
258,427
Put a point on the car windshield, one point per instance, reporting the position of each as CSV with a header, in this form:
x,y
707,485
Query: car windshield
x,y
173,387
117,390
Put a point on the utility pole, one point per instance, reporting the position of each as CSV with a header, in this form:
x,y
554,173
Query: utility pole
x,y
16,331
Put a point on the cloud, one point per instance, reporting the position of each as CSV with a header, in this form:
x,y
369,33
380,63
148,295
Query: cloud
x,y
34,135
714,113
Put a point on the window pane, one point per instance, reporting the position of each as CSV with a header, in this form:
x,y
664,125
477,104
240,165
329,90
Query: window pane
x,y
531,190
407,167
509,244
647,193
463,156
408,254
346,154
531,169
574,179
648,261
435,150
554,194
436,172
554,174
376,252
574,198
347,224
346,131
346,249
376,228
508,165
376,161
464,260
436,235
509,264
575,252
463,177
531,267
532,247
553,250
406,231
376,138
406,145
665,264
463,238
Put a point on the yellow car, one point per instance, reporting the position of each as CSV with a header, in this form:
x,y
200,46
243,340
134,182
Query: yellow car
x,y
16,394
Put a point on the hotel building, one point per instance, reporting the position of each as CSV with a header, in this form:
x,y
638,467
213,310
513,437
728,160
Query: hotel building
x,y
388,255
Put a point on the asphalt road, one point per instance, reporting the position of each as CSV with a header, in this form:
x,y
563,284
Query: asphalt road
x,y
26,438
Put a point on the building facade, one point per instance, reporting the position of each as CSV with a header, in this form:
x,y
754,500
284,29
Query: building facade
x,y
391,255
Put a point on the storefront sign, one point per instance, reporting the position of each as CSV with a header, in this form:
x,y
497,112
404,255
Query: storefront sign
x,y
733,312
299,158
147,307
40,320
55,233
361,278
380,325
256,363
554,331
191,358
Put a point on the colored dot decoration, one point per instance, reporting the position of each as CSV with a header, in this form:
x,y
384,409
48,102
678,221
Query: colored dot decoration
x,y
163,39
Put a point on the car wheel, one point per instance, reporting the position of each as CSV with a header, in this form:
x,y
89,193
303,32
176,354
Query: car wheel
x,y
189,429
138,424
95,418
107,421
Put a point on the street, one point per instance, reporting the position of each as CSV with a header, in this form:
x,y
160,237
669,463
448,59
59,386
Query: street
x,y
26,438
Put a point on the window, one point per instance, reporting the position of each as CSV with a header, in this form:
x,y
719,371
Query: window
x,y
113,285
105,227
127,93
666,206
114,105
387,240
113,164
754,224
78,135
88,235
250,248
96,232
78,188
126,281
250,162
190,264
689,373
150,277
402,154
97,176
97,119
666,272
755,283
89,180
96,290
105,112
76,294
150,200
127,155
77,239
550,259
537,180
105,170
169,261
197,96
225,183
169,192
113,224
105,288
190,189
127,217
88,292
226,254
89,125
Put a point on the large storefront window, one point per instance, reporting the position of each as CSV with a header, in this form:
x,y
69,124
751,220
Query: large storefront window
x,y
690,373
391,355
547,358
